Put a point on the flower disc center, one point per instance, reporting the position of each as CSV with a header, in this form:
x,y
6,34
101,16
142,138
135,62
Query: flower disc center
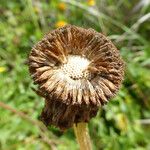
x,y
76,67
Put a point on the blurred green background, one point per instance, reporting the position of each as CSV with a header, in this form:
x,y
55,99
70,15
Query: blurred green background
x,y
123,124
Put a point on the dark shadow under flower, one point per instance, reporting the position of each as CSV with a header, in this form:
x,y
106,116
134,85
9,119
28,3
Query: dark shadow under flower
x,y
77,71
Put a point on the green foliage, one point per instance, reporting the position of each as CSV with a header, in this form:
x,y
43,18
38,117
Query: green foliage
x,y
119,124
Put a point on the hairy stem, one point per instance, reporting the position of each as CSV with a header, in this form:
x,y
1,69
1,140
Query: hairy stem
x,y
82,135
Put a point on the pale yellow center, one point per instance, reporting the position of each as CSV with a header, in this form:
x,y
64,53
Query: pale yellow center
x,y
76,67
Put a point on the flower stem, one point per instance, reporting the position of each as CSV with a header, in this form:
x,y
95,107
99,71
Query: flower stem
x,y
82,135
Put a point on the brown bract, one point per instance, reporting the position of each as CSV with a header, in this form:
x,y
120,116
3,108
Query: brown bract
x,y
77,70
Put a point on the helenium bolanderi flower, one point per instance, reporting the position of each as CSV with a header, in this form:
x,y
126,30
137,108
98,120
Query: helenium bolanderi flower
x,y
77,70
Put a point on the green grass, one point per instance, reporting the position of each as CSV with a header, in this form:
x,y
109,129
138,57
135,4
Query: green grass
x,y
119,124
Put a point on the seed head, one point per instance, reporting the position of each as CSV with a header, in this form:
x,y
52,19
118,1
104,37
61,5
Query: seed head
x,y
77,71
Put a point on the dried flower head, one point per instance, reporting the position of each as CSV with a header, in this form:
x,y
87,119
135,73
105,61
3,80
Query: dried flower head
x,y
77,70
